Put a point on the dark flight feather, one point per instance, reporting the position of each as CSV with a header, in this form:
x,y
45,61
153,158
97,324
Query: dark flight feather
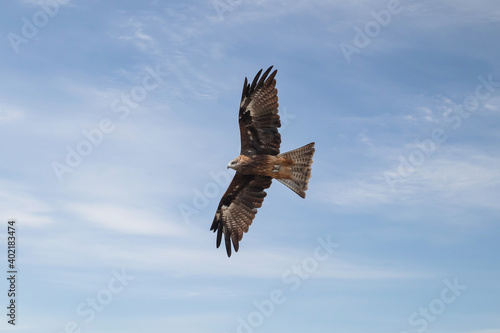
x,y
238,207
258,117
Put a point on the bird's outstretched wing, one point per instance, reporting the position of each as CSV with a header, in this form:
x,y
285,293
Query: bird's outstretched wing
x,y
238,207
258,117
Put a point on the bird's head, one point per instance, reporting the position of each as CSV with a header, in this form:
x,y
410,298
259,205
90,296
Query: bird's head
x,y
234,164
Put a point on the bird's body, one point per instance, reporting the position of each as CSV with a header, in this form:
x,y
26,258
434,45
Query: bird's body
x,y
259,162
264,165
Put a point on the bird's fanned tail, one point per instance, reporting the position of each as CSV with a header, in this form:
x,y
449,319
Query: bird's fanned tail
x,y
301,169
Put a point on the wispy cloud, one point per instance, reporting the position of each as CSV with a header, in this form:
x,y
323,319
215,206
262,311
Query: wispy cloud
x,y
465,176
124,220
9,114
186,254
21,203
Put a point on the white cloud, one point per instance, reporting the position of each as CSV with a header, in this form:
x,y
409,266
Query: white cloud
x,y
471,179
18,203
125,220
139,38
364,139
194,254
493,104
8,113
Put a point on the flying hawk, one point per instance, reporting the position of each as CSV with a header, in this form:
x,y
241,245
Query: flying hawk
x,y
259,162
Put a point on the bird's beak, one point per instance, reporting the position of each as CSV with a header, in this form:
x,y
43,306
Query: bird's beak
x,y
228,166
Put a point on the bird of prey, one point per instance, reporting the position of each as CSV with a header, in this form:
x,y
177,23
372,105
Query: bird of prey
x,y
259,162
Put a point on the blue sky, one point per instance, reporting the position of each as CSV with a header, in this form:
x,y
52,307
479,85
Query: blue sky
x,y
117,121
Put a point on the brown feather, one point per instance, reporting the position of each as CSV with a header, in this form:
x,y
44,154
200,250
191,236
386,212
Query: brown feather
x,y
258,117
238,207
